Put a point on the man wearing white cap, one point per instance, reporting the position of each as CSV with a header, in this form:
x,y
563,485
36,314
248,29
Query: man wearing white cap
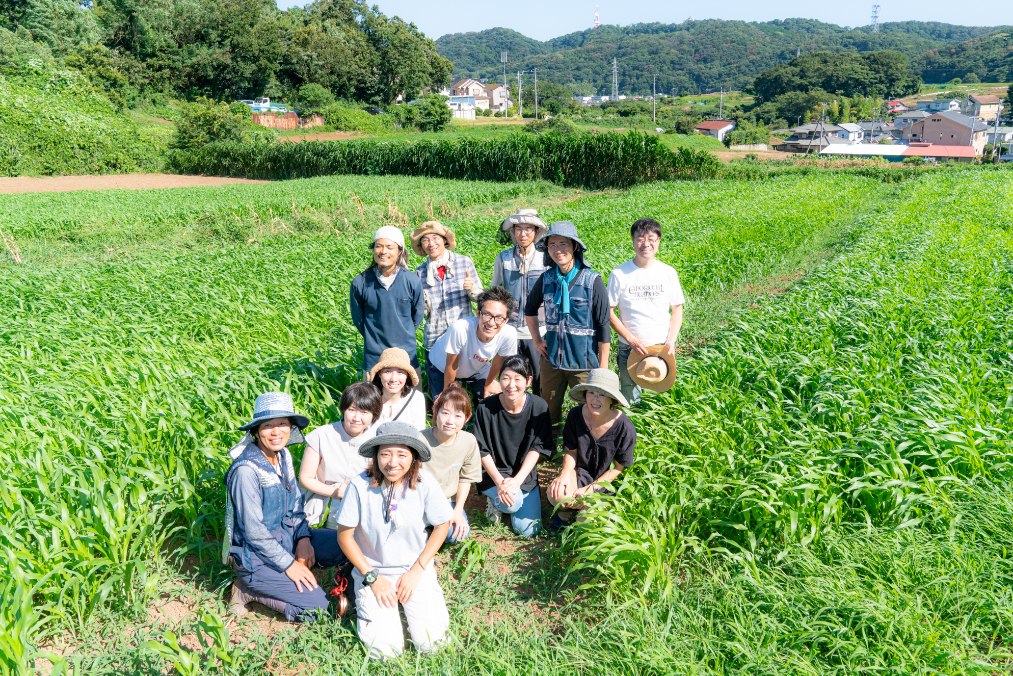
x,y
387,305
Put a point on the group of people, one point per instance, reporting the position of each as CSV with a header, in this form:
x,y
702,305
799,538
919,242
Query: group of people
x,y
381,490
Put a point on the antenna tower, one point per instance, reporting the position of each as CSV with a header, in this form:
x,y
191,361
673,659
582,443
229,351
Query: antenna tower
x,y
615,80
875,19
596,22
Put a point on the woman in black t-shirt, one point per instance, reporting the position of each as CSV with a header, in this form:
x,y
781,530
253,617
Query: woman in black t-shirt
x,y
598,439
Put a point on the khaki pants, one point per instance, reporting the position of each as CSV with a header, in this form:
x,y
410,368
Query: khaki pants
x,y
555,383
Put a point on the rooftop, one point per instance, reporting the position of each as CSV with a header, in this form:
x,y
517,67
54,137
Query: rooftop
x,y
849,126
961,119
985,98
934,150
716,125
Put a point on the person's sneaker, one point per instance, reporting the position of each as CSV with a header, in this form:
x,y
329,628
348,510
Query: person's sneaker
x,y
558,524
491,513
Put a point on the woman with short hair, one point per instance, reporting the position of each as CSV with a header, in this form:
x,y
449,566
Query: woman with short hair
x,y
382,530
397,382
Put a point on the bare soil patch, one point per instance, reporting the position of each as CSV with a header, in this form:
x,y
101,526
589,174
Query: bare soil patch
x,y
325,136
21,184
729,155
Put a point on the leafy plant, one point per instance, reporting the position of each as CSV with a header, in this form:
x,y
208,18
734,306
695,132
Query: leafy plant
x,y
206,121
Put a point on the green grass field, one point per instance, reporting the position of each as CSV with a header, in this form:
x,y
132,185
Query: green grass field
x,y
824,491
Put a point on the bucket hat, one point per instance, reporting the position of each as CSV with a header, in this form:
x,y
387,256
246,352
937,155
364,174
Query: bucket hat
x,y
603,381
271,405
527,217
399,433
389,232
432,228
563,229
395,358
654,370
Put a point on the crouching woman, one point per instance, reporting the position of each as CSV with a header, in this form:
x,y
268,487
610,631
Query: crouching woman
x,y
382,529
268,543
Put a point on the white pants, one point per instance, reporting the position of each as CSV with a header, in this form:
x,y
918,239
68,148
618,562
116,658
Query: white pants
x,y
380,627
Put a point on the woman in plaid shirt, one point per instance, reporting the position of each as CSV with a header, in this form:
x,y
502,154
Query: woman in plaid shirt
x,y
449,280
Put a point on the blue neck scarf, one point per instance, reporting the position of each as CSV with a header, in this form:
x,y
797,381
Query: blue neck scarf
x,y
562,296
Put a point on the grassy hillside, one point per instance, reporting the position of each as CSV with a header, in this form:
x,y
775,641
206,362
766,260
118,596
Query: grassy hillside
x,y
694,55
52,121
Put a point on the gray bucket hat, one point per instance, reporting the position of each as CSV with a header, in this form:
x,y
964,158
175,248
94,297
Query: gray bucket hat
x,y
271,405
562,229
400,433
603,381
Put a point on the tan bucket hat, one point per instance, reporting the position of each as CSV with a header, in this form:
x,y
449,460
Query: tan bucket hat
x,y
395,358
654,370
603,381
529,217
429,228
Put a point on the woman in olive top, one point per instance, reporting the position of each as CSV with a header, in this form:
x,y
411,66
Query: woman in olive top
x,y
514,432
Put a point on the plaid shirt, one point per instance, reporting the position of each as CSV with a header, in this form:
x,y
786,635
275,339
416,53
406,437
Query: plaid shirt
x,y
446,299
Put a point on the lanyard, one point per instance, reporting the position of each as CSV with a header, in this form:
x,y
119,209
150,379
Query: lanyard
x,y
390,502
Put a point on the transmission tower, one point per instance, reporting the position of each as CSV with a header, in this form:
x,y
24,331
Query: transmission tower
x,y
596,22
875,18
615,80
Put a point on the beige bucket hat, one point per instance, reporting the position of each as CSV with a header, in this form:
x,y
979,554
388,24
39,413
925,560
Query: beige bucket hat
x,y
529,217
395,358
603,381
654,370
430,228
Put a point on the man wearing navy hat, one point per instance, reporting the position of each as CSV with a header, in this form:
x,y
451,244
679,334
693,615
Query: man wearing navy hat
x,y
575,301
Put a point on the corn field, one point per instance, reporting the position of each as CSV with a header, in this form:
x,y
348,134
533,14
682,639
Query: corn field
x,y
593,161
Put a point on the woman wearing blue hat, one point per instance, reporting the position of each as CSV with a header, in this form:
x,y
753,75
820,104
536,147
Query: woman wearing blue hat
x,y
268,542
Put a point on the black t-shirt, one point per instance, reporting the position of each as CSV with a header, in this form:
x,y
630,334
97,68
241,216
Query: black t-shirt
x,y
508,437
599,304
595,456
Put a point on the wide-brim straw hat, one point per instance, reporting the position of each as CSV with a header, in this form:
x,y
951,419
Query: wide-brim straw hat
x,y
395,357
654,370
526,217
272,405
396,433
432,228
602,381
562,229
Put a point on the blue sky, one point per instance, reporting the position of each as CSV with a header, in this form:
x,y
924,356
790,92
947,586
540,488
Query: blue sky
x,y
544,19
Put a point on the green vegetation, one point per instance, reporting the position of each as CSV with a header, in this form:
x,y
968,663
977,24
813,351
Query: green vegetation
x,y
883,74
595,161
983,59
701,56
206,121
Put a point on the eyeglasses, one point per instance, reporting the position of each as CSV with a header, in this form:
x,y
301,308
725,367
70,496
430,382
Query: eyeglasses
x,y
648,239
498,320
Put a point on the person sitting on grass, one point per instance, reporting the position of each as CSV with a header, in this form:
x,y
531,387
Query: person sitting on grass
x,y
332,459
397,380
382,530
514,432
450,281
473,349
268,543
598,439
455,463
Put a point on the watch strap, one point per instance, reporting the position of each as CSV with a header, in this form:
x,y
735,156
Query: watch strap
x,y
369,578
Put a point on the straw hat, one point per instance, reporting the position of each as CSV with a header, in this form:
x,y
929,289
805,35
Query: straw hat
x,y
430,228
271,405
602,381
654,370
395,358
527,217
396,432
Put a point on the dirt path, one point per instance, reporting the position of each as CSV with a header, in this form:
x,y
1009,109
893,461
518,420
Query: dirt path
x,y
21,184
325,136
729,155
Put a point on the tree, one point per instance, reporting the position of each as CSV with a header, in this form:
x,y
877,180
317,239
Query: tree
x,y
433,113
97,65
880,73
313,97
206,121
61,25
405,62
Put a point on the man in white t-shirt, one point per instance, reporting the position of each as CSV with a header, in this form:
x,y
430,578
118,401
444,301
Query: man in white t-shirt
x,y
472,350
649,298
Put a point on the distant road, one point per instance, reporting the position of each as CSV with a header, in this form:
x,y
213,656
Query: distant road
x,y
22,184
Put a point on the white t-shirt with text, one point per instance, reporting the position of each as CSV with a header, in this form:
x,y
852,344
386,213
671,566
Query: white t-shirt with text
x,y
645,297
462,339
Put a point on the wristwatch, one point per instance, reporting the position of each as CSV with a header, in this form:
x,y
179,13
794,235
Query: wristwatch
x,y
369,578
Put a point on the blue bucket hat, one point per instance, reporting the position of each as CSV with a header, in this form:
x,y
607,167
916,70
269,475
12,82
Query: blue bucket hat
x,y
271,405
562,229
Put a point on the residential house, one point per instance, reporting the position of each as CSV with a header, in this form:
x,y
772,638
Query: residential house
x,y
897,107
878,130
463,107
495,97
715,128
938,105
813,137
949,128
851,132
467,87
893,153
909,118
1003,134
984,107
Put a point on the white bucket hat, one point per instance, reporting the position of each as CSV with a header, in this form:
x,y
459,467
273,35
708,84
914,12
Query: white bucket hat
x,y
527,217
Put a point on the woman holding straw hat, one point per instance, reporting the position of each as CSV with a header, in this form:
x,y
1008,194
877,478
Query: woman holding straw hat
x,y
382,530
598,440
268,542
449,280
516,270
397,381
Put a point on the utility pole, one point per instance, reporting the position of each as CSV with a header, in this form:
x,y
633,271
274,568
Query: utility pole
x,y
520,97
996,145
615,80
506,87
721,106
536,93
655,98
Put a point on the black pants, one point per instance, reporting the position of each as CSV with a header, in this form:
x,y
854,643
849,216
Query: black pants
x,y
474,385
526,348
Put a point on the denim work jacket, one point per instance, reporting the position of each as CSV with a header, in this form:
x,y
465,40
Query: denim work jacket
x,y
506,273
570,339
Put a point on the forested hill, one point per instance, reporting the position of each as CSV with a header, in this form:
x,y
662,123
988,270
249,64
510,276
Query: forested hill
x,y
694,55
